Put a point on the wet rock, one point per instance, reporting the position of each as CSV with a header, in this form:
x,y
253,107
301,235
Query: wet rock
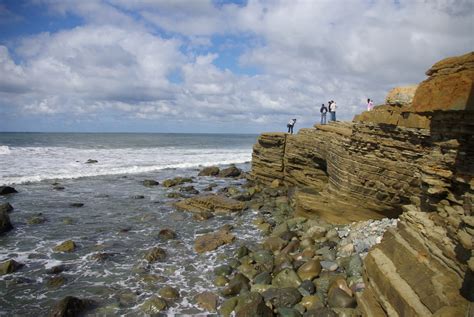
x,y
242,251
6,207
56,281
58,187
209,187
138,197
286,278
282,297
36,219
274,243
68,221
288,312
228,306
311,302
5,224
207,301
355,266
237,284
329,265
202,215
223,270
56,269
153,305
9,266
101,256
76,205
340,299
71,306
174,195
66,246
307,288
212,241
5,190
252,305
309,270
155,254
176,181
212,203
264,260
209,171
169,292
231,171
189,190
91,161
263,278
248,270
150,183
234,263
220,281
320,312
166,234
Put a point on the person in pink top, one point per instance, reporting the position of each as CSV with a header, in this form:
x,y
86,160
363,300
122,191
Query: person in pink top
x,y
370,105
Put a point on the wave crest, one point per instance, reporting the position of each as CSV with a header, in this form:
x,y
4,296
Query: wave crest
x,y
4,150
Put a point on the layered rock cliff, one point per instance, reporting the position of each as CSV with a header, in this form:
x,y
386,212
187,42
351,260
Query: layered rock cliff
x,y
412,158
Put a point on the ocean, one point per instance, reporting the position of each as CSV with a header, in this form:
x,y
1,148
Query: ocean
x,y
118,222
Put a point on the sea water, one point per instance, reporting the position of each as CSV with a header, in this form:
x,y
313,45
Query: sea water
x,y
50,173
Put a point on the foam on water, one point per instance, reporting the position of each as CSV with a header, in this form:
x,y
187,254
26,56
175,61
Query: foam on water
x,y
32,164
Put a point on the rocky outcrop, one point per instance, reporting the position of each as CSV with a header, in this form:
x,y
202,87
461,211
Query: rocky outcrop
x,y
212,241
401,96
211,203
407,159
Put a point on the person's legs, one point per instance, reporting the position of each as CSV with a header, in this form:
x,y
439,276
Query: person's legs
x,y
334,115
324,118
291,129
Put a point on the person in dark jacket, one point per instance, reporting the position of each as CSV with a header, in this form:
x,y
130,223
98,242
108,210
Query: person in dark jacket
x,y
323,111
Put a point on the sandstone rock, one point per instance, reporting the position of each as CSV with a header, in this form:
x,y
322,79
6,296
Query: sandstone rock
x,y
155,254
449,86
309,270
71,306
401,96
207,301
340,299
150,183
202,215
5,190
209,171
212,203
231,171
5,224
274,243
153,305
212,241
66,246
167,234
311,302
9,266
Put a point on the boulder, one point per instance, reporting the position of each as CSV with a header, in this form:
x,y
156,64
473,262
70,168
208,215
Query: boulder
x,y
309,270
212,241
56,281
231,171
6,207
282,297
449,86
91,161
209,171
76,205
337,298
212,203
5,224
71,306
5,190
66,246
9,266
169,292
189,190
236,284
320,312
252,305
401,96
286,278
176,181
155,254
153,305
36,219
166,234
207,301
150,183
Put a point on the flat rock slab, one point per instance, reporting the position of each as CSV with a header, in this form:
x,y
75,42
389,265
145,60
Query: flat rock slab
x,y
211,241
213,203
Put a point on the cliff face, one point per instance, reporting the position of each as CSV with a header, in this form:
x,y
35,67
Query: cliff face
x,y
407,159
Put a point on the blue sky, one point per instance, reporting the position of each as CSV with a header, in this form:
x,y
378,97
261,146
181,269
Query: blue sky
x,y
213,66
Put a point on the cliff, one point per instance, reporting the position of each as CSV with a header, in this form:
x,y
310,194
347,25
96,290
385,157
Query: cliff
x,y
409,158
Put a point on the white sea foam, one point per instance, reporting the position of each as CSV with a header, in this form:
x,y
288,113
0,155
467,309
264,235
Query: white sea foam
x,y
4,150
32,164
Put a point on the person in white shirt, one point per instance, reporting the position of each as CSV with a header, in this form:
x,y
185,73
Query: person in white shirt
x,y
332,110
290,125
370,104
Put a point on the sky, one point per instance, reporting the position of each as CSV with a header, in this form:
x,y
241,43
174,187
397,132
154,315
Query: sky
x,y
213,66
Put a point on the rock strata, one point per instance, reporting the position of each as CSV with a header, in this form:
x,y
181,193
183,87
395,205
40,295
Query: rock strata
x,y
212,203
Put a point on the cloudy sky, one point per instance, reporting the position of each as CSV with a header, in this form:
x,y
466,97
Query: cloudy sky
x,y
213,65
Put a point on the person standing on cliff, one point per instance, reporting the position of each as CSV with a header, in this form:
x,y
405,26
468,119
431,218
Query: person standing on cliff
x,y
370,105
332,110
290,125
323,111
